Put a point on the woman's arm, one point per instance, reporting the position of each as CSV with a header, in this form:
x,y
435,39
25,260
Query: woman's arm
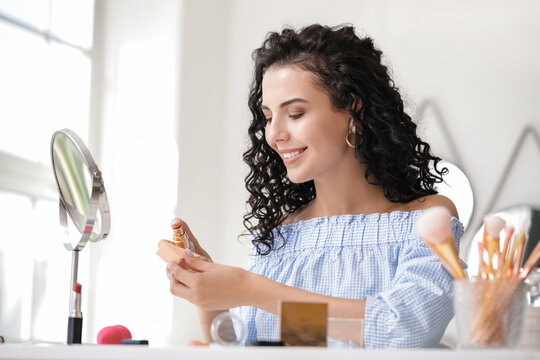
x,y
218,287
267,294
205,317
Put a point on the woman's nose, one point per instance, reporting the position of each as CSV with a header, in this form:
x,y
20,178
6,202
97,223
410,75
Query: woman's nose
x,y
277,131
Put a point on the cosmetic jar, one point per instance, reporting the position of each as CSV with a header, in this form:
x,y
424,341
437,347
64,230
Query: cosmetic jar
x,y
228,329
345,332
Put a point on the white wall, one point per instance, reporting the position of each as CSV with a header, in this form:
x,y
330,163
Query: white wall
x,y
476,59
137,60
479,61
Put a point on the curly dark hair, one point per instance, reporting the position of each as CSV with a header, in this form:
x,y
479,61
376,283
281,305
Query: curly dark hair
x,y
349,69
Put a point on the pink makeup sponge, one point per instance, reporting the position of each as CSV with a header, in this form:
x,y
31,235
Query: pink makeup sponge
x,y
113,335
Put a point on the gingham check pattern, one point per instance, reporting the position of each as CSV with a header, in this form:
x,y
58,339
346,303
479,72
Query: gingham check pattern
x,y
376,257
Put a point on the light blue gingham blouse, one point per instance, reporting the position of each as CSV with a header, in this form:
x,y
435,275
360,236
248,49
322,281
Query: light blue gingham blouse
x,y
376,257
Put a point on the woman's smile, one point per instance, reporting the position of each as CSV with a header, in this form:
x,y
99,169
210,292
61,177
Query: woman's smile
x,y
291,155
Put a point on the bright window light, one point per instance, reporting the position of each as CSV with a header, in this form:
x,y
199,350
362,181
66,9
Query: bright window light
x,y
44,87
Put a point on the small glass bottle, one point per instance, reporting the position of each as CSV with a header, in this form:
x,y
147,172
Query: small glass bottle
x,y
181,238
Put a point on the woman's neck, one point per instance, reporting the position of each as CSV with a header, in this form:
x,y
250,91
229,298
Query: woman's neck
x,y
346,192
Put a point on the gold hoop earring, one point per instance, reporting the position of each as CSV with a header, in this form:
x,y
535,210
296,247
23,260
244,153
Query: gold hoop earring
x,y
347,139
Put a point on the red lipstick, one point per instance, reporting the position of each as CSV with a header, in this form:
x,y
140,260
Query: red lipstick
x,y
75,317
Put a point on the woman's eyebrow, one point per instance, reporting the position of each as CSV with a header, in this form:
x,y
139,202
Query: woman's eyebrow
x,y
285,103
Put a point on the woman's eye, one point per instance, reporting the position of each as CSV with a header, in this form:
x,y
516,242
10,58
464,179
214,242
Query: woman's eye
x,y
268,119
296,116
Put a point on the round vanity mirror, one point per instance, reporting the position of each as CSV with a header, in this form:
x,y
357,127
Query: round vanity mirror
x,y
83,198
456,187
82,193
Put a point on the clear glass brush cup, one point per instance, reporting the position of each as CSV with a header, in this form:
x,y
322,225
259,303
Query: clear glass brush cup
x,y
489,313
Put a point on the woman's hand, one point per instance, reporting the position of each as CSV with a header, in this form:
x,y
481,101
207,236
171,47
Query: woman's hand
x,y
208,285
198,249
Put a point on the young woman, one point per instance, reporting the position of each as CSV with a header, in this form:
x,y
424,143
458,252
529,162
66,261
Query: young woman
x,y
338,178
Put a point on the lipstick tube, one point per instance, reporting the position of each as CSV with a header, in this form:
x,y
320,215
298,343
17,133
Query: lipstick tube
x,y
75,316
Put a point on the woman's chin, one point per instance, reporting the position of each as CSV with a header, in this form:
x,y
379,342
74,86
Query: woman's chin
x,y
298,178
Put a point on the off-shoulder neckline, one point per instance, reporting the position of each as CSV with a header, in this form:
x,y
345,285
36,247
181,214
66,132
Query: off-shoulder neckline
x,y
394,215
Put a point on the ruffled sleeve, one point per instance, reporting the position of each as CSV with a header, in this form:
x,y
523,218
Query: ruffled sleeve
x,y
416,309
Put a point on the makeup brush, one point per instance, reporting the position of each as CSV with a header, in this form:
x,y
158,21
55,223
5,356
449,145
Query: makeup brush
x,y
499,274
433,226
509,231
519,258
534,257
505,269
493,226
521,246
531,263
481,263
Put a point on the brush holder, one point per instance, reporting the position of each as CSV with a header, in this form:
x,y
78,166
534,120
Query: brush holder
x,y
489,313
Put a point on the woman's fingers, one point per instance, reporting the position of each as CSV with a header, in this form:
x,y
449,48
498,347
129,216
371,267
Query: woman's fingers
x,y
208,285
181,274
198,248
177,288
183,265
179,279
198,263
178,221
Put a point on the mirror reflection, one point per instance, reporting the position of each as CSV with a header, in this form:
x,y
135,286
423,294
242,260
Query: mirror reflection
x,y
74,180
75,174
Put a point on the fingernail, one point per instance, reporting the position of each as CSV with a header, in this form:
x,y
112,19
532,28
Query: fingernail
x,y
169,265
175,221
188,252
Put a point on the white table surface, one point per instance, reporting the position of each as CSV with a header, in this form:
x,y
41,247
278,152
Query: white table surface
x,y
60,352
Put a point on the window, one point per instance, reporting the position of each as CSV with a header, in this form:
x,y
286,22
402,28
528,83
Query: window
x,y
45,74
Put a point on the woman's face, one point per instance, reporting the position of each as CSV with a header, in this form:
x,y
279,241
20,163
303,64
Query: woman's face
x,y
303,127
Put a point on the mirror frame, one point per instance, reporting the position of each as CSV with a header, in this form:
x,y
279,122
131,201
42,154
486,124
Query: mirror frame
x,y
98,197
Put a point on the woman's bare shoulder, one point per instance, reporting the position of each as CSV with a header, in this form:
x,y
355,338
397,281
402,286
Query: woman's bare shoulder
x,y
434,200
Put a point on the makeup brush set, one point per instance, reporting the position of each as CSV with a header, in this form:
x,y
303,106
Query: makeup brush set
x,y
490,306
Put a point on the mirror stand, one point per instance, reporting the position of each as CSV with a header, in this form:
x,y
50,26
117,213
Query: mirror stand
x,y
75,320
83,198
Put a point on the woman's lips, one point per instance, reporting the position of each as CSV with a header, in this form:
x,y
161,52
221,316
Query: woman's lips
x,y
290,156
